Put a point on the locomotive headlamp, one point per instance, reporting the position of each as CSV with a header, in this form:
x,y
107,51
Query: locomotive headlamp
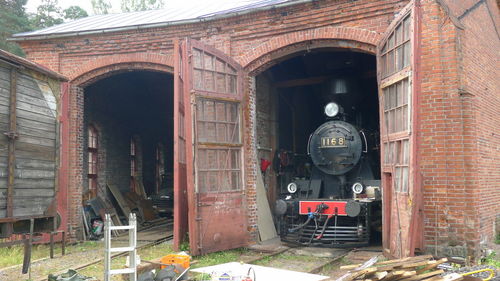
x,y
357,188
292,187
331,109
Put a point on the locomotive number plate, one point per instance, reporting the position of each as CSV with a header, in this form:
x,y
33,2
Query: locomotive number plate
x,y
333,142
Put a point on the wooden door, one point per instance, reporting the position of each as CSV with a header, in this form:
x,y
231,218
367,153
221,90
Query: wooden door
x,y
181,149
217,206
395,71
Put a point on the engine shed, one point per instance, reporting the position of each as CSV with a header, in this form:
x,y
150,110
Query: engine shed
x,y
194,102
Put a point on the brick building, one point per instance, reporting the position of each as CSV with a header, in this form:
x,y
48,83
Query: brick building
x,y
131,75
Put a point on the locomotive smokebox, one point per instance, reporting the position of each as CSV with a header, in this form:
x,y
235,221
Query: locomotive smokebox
x,y
335,147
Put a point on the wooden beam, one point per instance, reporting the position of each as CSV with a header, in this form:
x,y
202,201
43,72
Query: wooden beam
x,y
317,80
12,135
301,82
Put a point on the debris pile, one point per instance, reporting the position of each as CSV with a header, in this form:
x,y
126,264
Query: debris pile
x,y
407,269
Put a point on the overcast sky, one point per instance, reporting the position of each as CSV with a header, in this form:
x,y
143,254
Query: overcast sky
x,y
87,6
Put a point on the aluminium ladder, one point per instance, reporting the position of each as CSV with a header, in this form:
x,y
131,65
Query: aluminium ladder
x,y
131,249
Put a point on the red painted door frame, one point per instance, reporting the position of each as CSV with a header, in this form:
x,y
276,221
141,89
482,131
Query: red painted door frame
x,y
402,206
217,218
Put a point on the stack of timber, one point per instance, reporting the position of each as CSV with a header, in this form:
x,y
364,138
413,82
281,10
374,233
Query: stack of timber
x,y
133,202
407,269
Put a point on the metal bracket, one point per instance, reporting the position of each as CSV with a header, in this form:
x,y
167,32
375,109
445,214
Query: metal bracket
x,y
12,135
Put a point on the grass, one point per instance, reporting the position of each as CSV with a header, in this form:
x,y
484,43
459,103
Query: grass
x,y
14,255
219,257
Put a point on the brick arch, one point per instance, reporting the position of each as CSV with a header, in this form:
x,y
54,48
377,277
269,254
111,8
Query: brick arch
x,y
104,66
265,55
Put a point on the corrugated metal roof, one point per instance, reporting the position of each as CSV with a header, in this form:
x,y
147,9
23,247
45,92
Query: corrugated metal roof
x,y
22,62
177,12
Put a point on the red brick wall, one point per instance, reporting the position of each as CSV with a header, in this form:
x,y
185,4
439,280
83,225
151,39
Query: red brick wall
x,y
459,92
480,76
459,151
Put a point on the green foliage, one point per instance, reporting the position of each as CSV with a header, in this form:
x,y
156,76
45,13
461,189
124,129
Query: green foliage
x,y
13,19
184,246
497,239
47,14
74,12
491,259
101,7
141,5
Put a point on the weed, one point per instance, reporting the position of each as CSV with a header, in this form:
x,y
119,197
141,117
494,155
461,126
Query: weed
x,y
497,239
491,259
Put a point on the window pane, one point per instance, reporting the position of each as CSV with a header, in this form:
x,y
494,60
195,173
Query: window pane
x,y
209,81
208,61
399,34
405,179
406,54
220,82
197,79
397,179
197,58
406,149
218,121
406,24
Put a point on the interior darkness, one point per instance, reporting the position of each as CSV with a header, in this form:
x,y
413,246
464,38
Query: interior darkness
x,y
304,83
133,104
361,105
292,94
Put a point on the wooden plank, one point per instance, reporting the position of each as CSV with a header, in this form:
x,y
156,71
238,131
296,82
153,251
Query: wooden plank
x,y
34,116
30,183
424,275
119,198
265,223
41,110
29,147
35,132
24,163
4,109
37,141
41,192
34,174
35,124
431,265
389,262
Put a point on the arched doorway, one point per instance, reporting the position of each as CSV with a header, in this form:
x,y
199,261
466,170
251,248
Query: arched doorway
x,y
130,105
291,92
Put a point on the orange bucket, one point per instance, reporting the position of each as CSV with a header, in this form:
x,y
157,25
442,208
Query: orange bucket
x,y
183,260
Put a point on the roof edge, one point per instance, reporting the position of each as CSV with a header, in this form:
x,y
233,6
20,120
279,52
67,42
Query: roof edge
x,y
154,25
19,62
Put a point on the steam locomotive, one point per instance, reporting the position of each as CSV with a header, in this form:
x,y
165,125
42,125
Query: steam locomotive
x,y
337,203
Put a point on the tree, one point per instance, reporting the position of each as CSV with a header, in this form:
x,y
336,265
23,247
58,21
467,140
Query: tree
x,y
13,19
48,14
141,5
101,7
74,12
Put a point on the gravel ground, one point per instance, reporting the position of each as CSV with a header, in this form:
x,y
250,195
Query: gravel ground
x,y
482,275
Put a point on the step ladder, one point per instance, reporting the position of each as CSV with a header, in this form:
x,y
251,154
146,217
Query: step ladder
x,y
131,249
